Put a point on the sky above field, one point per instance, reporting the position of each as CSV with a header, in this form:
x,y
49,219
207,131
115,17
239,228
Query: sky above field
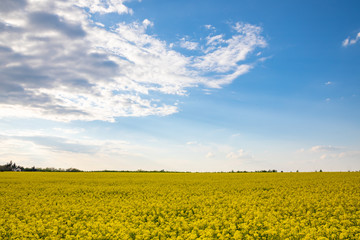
x,y
185,85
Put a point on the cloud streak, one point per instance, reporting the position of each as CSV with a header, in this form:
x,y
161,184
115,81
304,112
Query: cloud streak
x,y
321,148
57,64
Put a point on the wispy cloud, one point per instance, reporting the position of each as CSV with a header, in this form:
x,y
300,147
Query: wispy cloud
x,y
324,148
209,27
69,130
239,155
349,155
351,41
52,151
56,63
103,7
51,142
61,144
188,44
328,83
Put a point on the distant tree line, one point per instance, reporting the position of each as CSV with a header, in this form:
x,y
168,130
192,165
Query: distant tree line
x,y
273,170
16,168
257,171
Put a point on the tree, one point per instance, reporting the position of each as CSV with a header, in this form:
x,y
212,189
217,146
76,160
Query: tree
x,y
8,167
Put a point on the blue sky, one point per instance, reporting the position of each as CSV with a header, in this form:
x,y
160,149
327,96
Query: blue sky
x,y
180,85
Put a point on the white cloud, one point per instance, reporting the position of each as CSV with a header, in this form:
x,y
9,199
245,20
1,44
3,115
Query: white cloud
x,y
103,7
55,63
223,60
351,41
239,155
345,155
147,23
209,27
329,157
324,148
188,44
328,83
215,40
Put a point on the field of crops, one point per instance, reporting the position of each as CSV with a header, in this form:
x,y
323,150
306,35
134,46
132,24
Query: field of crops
x,y
179,205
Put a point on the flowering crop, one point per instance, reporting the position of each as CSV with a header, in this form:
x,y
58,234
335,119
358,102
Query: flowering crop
x,y
179,205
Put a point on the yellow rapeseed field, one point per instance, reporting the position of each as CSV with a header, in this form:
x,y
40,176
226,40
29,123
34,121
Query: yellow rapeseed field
x,y
179,205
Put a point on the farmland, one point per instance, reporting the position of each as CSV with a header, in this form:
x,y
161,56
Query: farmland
x,y
117,205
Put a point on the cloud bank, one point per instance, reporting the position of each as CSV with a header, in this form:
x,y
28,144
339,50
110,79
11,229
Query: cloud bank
x,y
57,63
